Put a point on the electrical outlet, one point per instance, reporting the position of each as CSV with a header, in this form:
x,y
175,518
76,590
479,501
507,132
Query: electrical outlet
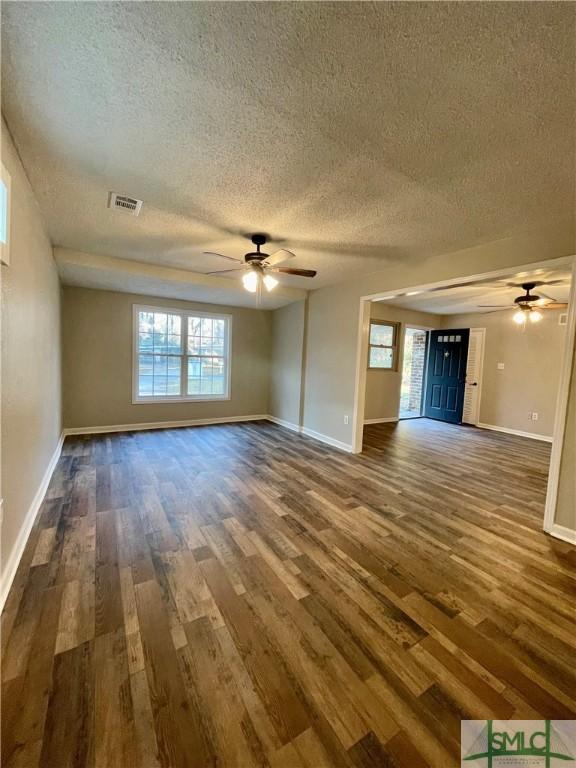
x,y
346,418
535,416
500,366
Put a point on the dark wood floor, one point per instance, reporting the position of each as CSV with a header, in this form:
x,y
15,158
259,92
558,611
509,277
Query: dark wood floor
x,y
240,595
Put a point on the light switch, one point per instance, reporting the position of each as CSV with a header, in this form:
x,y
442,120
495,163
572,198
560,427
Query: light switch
x,y
500,366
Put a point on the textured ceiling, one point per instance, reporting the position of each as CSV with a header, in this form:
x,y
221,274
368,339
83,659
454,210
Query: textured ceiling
x,y
354,133
467,298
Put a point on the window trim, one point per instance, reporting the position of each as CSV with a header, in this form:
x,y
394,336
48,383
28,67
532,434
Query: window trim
x,y
184,314
5,247
394,347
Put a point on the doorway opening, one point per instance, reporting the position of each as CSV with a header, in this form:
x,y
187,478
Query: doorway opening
x,y
504,373
413,373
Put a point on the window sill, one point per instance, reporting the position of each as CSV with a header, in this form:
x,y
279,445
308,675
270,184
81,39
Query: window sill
x,y
157,400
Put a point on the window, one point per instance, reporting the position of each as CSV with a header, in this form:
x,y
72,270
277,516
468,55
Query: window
x,y
5,183
382,352
180,355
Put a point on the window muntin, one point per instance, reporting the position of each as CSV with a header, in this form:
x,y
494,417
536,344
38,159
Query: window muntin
x,y
382,347
180,355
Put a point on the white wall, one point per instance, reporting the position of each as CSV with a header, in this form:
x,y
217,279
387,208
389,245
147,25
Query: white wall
x,y
31,411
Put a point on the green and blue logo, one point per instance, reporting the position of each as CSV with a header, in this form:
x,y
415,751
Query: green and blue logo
x,y
534,743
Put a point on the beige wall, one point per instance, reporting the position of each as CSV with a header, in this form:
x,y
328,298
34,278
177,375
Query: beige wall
x,y
288,328
31,413
383,387
566,504
532,360
97,362
333,315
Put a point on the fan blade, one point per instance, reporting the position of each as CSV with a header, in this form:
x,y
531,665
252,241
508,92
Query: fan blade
x,y
545,295
538,283
278,257
496,306
299,272
224,271
221,255
554,305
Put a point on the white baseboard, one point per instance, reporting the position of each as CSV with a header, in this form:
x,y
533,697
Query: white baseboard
x,y
286,424
326,439
561,532
517,432
11,566
311,433
161,425
381,421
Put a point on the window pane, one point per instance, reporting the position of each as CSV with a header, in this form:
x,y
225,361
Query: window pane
x,y
145,321
174,344
206,376
160,375
173,372
218,347
194,335
160,385
174,325
207,327
382,335
380,358
194,370
218,330
160,322
145,386
218,383
145,365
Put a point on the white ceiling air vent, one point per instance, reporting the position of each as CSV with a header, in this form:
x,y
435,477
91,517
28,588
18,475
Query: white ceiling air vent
x,y
126,204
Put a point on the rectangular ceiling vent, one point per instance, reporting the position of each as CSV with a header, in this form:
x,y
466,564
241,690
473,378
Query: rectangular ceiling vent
x,y
563,319
126,204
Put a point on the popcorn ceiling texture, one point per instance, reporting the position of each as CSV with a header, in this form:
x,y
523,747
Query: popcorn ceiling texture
x,y
358,135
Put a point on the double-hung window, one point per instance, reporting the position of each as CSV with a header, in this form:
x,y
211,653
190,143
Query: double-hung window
x,y
180,355
383,345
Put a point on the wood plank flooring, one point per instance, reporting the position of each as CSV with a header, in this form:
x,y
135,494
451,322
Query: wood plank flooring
x,y
243,596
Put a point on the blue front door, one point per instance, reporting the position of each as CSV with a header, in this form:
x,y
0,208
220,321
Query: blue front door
x,y
446,375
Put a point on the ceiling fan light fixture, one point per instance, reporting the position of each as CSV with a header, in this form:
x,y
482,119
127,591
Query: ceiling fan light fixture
x,y
535,316
519,317
270,282
250,281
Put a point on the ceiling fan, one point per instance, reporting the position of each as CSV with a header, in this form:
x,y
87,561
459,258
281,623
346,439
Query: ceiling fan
x,y
258,266
529,305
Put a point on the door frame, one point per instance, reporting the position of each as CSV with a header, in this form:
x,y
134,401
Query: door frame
x,y
565,372
481,375
414,327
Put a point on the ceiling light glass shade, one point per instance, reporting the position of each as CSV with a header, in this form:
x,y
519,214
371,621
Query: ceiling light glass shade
x,y
250,280
535,316
519,317
270,282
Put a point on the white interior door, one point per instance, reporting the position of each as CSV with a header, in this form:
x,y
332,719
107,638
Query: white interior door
x,y
471,412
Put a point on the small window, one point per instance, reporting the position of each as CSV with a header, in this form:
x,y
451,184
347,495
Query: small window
x,y
5,185
383,345
180,355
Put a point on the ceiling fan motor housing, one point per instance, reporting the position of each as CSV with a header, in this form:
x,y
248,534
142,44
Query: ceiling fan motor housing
x,y
257,255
